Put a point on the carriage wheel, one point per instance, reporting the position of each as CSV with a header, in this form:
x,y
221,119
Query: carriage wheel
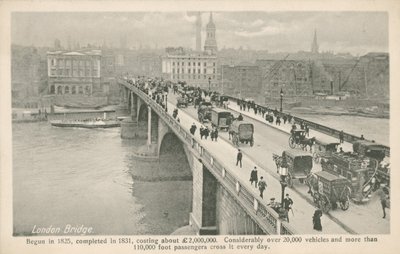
x,y
292,142
345,199
324,204
345,204
252,142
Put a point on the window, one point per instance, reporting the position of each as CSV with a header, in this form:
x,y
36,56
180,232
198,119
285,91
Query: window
x,y
213,64
205,70
173,70
183,63
173,63
198,71
178,63
189,71
205,64
189,63
198,64
183,71
214,70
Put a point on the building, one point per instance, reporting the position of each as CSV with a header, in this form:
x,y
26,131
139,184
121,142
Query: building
x,y
74,72
292,76
195,68
241,80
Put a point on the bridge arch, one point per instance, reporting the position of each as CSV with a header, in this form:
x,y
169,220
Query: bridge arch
x,y
172,155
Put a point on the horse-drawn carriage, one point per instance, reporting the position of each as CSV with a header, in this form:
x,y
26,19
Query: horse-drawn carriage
x,y
222,119
182,102
204,112
241,131
298,163
298,139
329,191
324,150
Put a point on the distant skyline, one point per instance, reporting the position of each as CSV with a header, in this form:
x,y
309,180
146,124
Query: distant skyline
x,y
341,32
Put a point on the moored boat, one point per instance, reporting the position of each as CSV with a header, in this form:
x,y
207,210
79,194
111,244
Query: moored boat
x,y
86,124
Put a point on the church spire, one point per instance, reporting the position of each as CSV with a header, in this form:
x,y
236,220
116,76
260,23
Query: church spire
x,y
210,44
314,46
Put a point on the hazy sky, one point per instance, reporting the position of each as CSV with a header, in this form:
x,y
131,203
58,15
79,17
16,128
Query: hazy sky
x,y
354,32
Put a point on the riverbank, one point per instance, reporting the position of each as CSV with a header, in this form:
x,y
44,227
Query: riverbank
x,y
336,112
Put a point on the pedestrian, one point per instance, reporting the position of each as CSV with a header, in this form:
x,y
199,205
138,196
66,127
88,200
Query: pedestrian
x,y
278,120
383,196
254,177
341,137
240,105
239,158
317,220
307,130
261,186
206,132
212,134
193,129
287,204
362,137
240,117
284,119
201,132
216,134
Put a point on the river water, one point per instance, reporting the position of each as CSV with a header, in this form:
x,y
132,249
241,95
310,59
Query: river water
x,y
372,128
87,177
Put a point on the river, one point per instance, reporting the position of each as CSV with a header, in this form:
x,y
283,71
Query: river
x,y
372,128
87,177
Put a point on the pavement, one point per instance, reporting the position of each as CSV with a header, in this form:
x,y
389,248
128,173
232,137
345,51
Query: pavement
x,y
274,140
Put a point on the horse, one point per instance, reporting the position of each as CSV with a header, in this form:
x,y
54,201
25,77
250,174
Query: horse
x,y
307,142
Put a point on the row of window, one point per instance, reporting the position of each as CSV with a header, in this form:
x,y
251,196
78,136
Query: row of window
x,y
190,71
74,73
189,64
65,62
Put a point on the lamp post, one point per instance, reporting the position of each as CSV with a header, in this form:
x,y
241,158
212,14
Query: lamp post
x,y
283,172
281,99
209,83
166,102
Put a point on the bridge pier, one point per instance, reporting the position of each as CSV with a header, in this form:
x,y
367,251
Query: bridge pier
x,y
129,126
203,216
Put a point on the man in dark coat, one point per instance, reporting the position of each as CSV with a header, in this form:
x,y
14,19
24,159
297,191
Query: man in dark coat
x,y
341,137
287,204
239,158
201,132
317,220
254,177
206,132
262,185
216,134
193,129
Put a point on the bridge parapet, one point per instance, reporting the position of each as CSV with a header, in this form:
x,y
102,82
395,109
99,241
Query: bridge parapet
x,y
263,215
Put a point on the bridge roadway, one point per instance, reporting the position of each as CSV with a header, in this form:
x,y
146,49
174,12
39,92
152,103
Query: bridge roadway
x,y
359,219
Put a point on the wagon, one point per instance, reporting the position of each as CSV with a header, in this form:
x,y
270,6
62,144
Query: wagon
x,y
298,163
329,190
204,112
370,149
221,118
181,102
323,150
241,131
296,138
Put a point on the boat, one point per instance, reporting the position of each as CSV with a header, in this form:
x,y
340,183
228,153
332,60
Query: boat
x,y
86,124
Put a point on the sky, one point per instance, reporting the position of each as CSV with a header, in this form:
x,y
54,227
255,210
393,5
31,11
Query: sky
x,y
341,32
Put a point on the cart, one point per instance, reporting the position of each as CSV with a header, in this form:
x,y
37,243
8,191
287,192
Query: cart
x,y
329,190
221,118
241,131
298,163
296,138
182,102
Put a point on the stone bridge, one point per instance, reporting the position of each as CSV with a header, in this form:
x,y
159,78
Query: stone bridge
x,y
221,203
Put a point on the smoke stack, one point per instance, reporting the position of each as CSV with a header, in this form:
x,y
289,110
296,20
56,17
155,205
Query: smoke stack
x,y
198,32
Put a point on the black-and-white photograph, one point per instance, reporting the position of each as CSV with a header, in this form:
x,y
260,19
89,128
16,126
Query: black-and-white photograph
x,y
200,123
